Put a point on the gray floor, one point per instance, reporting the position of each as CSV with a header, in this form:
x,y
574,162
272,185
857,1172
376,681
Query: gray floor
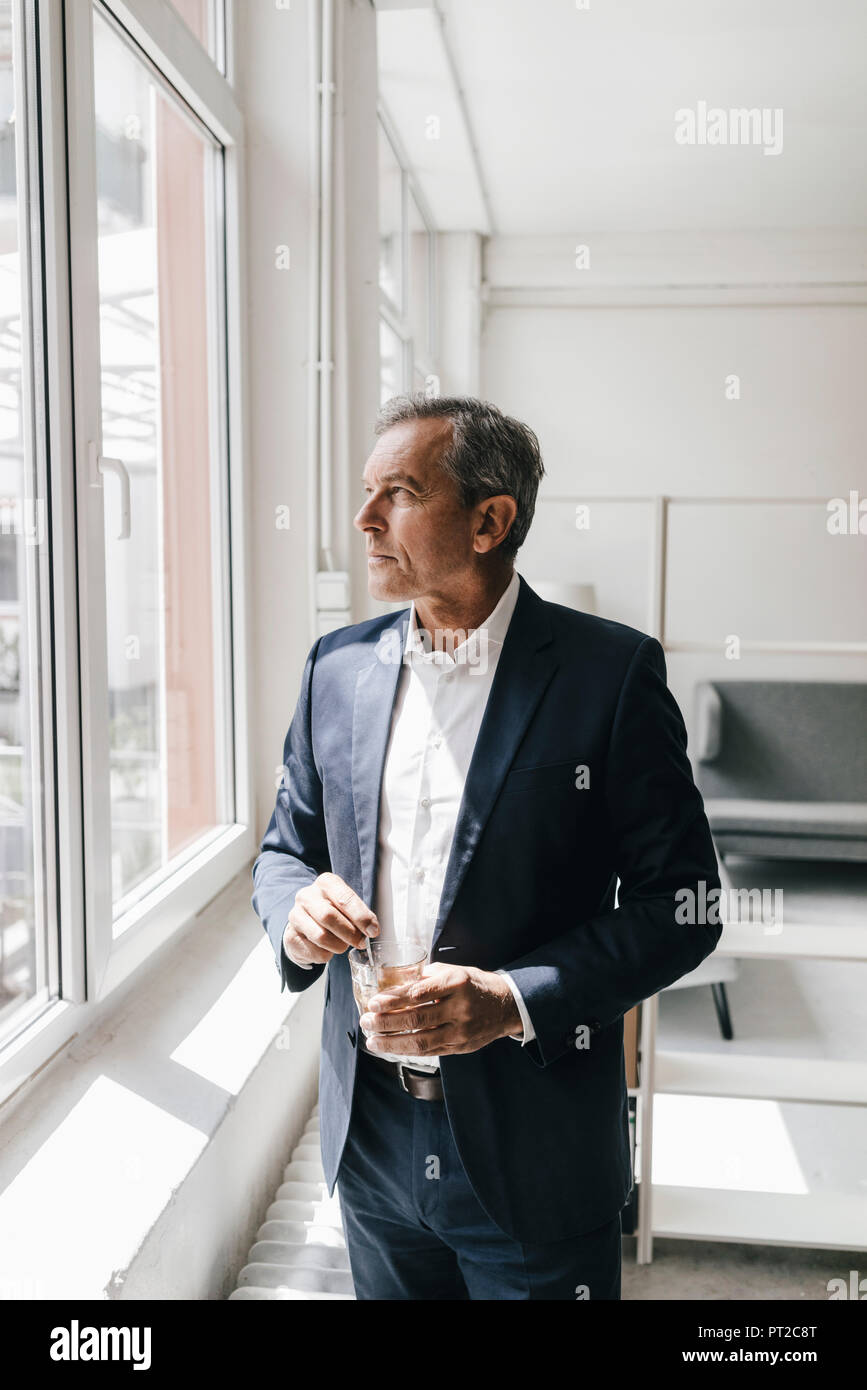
x,y
717,1271
782,1008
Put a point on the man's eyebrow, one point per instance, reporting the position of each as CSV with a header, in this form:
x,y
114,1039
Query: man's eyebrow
x,y
396,476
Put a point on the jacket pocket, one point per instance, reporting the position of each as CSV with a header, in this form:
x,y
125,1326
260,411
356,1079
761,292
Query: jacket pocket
x,y
548,775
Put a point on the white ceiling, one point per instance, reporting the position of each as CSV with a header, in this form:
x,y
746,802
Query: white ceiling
x,y
573,112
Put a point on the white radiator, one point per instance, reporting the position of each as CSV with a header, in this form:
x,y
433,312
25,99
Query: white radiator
x,y
299,1250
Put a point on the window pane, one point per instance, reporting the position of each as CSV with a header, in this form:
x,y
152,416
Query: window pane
x,y
24,947
158,178
204,18
390,221
419,282
390,363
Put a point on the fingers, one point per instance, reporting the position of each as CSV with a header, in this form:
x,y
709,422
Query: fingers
x,y
329,917
303,953
403,1020
438,982
308,941
431,1042
341,910
446,1011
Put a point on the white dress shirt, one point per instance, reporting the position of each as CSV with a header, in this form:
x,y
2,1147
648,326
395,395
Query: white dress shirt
x,y
437,713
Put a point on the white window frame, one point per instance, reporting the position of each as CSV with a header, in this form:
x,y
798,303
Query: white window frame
x,y
400,320
93,959
34,598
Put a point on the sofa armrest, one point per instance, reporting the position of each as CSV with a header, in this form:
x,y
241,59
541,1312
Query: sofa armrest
x,y
709,721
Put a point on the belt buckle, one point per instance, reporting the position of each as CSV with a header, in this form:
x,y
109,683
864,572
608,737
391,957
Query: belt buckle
x,y
400,1066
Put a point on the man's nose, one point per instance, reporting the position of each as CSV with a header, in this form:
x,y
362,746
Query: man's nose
x,y
365,517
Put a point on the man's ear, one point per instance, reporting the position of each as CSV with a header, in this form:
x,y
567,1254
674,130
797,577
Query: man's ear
x,y
496,516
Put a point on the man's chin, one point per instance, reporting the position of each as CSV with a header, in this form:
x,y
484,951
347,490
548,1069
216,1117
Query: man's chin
x,y
387,583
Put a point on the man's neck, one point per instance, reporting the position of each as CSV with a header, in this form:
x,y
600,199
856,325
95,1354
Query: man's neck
x,y
450,620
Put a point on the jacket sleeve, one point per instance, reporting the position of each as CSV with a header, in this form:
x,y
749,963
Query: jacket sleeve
x,y
294,851
597,970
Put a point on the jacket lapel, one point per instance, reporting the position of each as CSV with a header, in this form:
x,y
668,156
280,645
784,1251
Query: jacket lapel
x,y
375,692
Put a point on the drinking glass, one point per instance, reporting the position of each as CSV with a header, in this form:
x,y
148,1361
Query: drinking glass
x,y
394,963
364,984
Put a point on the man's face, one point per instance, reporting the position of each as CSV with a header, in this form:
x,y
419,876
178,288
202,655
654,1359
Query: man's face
x,y
419,538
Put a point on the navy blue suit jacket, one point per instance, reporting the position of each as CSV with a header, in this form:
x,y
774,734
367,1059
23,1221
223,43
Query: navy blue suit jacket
x,y
530,887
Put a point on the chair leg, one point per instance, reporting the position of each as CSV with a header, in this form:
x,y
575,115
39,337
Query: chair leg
x,y
721,1004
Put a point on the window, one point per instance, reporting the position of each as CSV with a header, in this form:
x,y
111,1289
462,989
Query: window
x,y
159,182
28,956
205,19
124,790
390,224
391,355
419,271
406,276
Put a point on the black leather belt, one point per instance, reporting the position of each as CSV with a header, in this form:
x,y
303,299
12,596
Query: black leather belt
x,y
421,1085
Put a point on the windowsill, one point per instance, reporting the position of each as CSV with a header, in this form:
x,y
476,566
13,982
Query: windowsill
x,y
163,918
143,1112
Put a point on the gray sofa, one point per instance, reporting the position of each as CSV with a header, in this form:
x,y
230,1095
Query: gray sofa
x,y
782,767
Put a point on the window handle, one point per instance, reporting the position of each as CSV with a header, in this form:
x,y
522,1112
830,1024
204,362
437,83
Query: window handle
x,y
100,464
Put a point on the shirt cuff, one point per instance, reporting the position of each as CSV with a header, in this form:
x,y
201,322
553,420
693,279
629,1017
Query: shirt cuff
x,y
529,1030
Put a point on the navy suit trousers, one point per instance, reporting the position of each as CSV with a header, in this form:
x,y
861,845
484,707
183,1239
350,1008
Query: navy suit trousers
x,y
415,1228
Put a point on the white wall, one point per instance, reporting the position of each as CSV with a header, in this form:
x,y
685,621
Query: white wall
x,y
459,317
622,371
272,71
357,376
274,93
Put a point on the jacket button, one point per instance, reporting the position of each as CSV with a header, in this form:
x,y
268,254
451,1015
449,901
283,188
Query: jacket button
x,y
351,1037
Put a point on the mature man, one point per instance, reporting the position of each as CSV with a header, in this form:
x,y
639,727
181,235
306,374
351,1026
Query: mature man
x,y
480,768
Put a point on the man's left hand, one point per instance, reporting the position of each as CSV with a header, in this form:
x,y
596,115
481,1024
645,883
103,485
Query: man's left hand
x,y
454,1008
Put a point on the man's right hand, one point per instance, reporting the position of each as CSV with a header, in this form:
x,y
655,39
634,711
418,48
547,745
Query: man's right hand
x,y
326,919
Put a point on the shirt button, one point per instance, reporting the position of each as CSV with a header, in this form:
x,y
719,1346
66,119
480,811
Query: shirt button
x,y
419,874
425,801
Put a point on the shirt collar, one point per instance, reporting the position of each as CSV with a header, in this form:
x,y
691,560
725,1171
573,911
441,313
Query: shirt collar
x,y
492,631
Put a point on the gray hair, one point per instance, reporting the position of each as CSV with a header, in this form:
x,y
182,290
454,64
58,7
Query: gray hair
x,y
489,453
